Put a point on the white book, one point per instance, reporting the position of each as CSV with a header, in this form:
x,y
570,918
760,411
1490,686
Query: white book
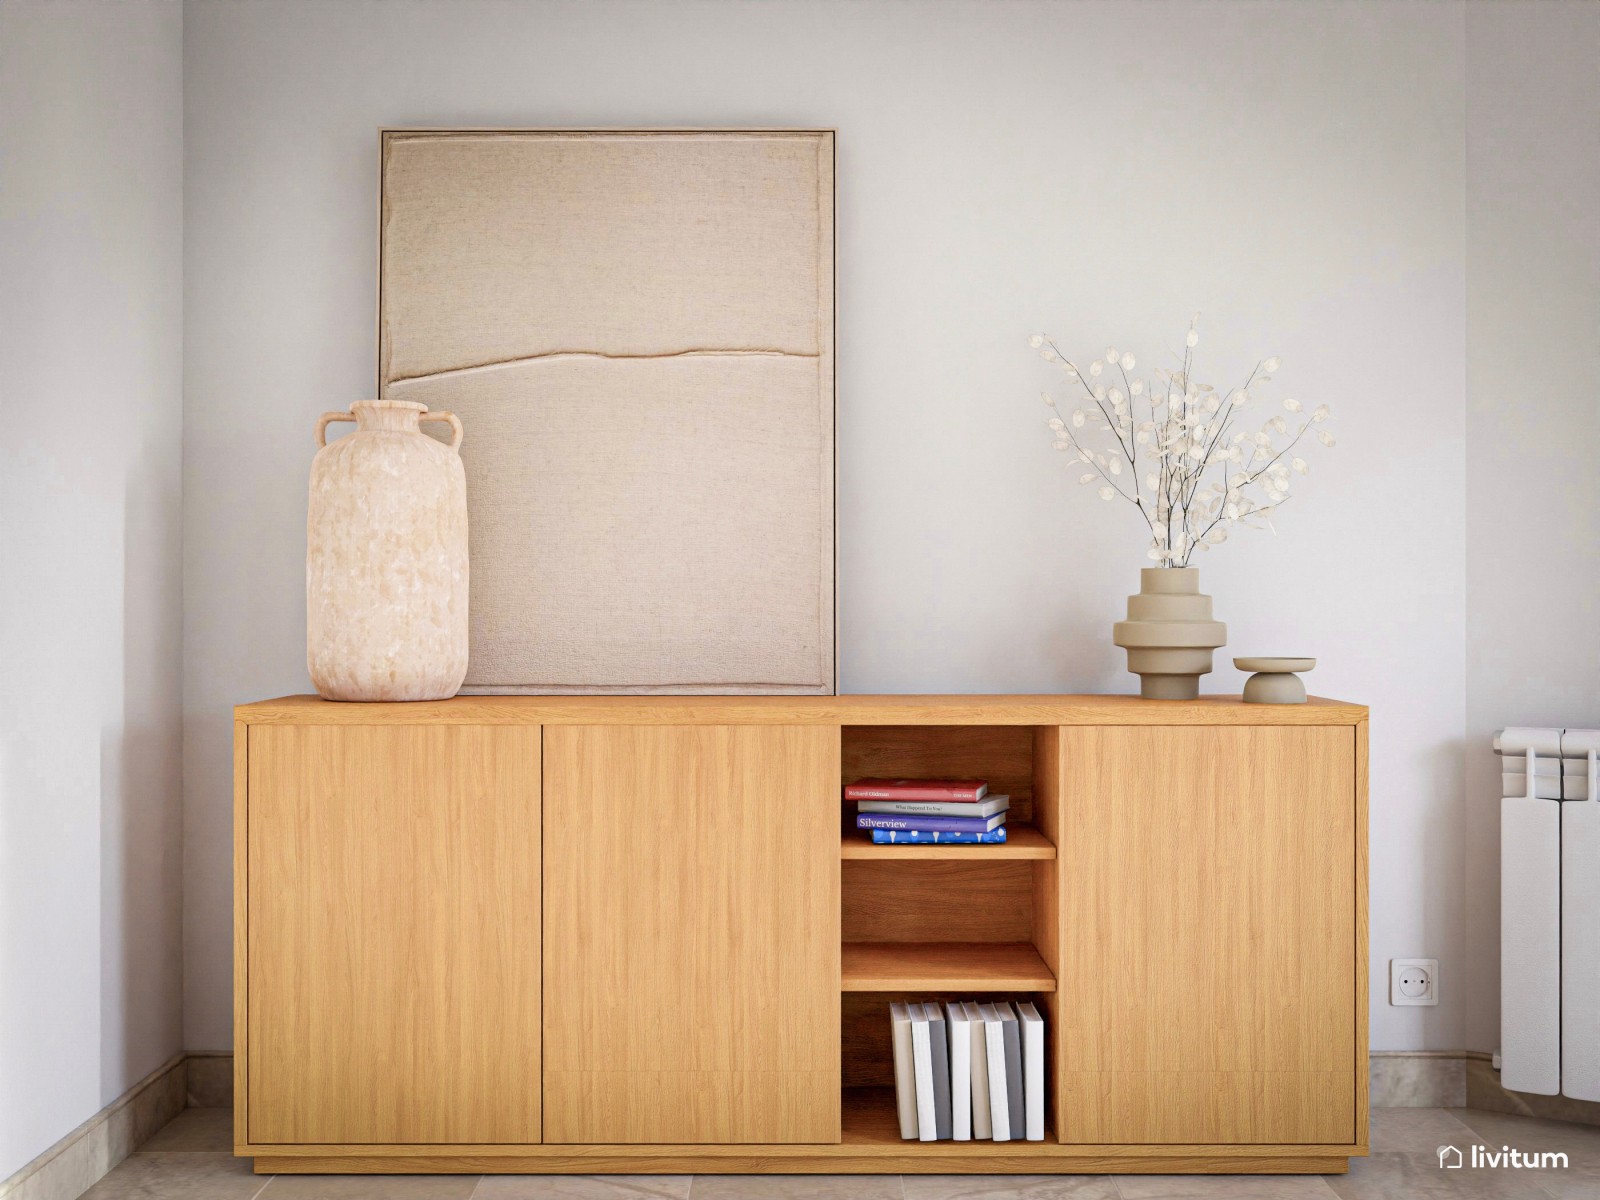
x,y
922,1061
905,1074
979,1058
960,1072
939,1043
1032,1069
937,808
1011,1028
995,1048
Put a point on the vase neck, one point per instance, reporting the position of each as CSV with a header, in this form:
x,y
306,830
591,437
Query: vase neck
x,y
389,416
1170,581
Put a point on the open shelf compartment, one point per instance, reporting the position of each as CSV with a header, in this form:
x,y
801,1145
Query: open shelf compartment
x,y
969,917
1002,754
867,1112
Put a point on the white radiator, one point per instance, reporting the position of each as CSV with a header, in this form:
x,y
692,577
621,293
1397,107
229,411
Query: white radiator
x,y
1550,911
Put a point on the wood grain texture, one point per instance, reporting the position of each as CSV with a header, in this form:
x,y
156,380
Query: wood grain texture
x,y
945,966
1047,775
937,901
1360,848
1220,847
954,1158
1208,936
692,941
393,909
1022,842
797,710
241,933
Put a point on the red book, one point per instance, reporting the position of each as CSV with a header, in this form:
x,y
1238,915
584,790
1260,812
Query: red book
x,y
970,790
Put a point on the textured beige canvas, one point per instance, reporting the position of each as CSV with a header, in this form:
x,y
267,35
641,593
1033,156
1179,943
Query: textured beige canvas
x,y
636,330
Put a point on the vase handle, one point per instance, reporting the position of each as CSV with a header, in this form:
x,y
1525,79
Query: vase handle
x,y
327,419
452,420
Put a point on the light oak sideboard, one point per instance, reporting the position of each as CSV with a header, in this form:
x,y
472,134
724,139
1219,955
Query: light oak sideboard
x,y
635,934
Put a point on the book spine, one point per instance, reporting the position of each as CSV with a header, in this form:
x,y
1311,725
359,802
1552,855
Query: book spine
x,y
968,795
979,1058
986,807
999,1107
928,837
1032,1070
1011,1029
922,1063
905,1074
960,1072
928,824
939,1043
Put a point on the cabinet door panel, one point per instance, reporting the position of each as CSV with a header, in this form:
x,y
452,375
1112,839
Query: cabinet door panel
x,y
393,969
691,934
1208,982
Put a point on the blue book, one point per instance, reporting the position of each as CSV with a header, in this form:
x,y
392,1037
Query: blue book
x,y
923,837
930,824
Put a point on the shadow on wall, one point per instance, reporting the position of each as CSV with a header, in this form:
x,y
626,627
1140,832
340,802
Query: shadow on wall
x,y
141,794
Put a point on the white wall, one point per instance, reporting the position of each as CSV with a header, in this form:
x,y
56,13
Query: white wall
x,y
1293,172
1533,416
91,143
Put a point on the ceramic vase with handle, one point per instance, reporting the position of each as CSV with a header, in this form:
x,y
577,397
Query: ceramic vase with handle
x,y
1169,634
386,557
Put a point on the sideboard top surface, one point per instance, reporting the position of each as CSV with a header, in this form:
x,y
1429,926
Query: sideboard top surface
x,y
800,710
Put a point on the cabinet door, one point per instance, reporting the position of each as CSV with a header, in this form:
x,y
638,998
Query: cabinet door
x,y
691,934
1208,932
393,934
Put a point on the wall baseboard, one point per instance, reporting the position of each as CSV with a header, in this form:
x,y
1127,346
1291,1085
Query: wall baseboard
x,y
81,1159
1417,1078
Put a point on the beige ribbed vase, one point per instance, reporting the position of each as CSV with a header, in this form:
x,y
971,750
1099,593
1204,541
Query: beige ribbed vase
x,y
386,557
1169,634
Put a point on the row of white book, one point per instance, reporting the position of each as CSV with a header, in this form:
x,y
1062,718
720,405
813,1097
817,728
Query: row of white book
x,y
965,1070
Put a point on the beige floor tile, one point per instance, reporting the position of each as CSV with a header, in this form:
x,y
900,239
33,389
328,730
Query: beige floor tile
x,y
584,1187
370,1187
1223,1187
1580,1143
179,1177
1415,1130
796,1187
1419,1177
1009,1187
194,1130
1578,1183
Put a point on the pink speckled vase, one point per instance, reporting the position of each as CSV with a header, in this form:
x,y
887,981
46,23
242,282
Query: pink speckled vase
x,y
386,558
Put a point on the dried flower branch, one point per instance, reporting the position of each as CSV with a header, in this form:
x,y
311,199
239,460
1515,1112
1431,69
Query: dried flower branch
x,y
1163,464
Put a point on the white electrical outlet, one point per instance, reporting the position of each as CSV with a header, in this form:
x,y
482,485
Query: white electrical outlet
x,y
1413,981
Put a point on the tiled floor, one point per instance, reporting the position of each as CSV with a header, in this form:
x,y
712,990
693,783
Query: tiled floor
x,y
189,1160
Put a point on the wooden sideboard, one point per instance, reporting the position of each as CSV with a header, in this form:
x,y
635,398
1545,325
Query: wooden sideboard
x,y
634,934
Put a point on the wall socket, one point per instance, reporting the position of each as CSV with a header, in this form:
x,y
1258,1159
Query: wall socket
x,y
1413,981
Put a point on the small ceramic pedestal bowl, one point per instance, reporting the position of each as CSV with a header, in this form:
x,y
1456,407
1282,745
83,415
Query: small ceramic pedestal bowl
x,y
1275,680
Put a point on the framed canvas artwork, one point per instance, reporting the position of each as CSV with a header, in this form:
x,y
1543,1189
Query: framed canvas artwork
x,y
636,330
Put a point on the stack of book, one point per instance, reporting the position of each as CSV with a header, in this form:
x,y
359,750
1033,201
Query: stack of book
x,y
921,811
965,1071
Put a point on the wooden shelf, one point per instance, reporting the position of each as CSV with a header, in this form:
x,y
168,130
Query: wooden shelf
x,y
869,1119
944,966
1023,841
